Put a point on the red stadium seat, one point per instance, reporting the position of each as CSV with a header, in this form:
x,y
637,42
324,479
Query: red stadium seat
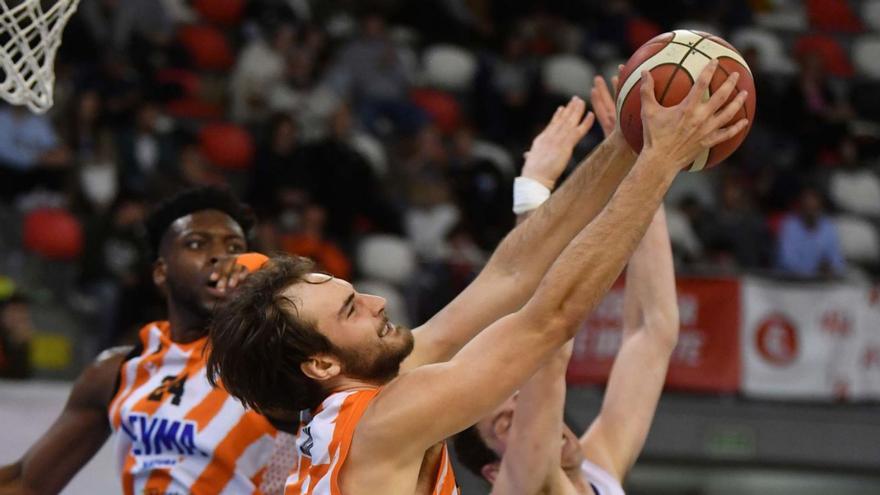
x,y
443,108
833,15
226,12
639,31
194,108
833,55
189,82
207,47
227,146
53,233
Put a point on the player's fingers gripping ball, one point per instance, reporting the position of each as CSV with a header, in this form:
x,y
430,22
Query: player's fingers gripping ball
x,y
251,261
675,60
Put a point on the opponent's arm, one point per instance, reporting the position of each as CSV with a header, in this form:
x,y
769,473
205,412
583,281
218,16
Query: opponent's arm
x,y
77,434
531,459
650,332
523,257
407,413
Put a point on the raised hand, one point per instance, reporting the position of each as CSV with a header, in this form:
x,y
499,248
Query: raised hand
x,y
682,132
228,273
552,148
603,100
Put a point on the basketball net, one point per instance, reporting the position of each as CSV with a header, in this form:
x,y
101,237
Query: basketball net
x,y
29,38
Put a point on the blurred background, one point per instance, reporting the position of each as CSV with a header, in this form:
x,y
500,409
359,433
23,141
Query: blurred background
x,y
381,138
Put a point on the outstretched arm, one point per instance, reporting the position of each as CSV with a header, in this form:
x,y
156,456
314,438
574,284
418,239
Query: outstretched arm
x,y
650,332
531,460
77,434
523,257
487,370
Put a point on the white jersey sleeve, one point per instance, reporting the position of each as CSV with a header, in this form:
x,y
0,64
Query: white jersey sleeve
x,y
601,481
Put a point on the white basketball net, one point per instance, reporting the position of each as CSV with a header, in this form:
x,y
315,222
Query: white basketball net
x,y
29,38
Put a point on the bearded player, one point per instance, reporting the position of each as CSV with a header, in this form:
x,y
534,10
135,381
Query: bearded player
x,y
294,340
511,448
173,432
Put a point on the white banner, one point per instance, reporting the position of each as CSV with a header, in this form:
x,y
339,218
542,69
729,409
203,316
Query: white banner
x,y
813,342
866,385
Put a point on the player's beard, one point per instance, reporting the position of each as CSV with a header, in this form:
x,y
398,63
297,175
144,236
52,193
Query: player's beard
x,y
380,366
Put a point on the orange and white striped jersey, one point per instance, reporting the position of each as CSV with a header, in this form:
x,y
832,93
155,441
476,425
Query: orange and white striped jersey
x,y
177,434
324,444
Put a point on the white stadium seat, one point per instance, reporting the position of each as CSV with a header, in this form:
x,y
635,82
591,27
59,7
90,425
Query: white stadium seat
x,y
787,15
568,75
871,14
866,55
681,234
698,185
372,151
772,54
856,192
858,239
386,258
448,67
496,155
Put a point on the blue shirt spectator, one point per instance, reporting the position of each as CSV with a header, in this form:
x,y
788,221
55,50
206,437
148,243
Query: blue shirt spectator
x,y
25,138
809,245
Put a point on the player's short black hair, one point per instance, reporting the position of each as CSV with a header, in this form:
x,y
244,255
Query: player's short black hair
x,y
472,451
190,201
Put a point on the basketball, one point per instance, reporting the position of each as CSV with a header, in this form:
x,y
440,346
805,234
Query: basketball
x,y
675,60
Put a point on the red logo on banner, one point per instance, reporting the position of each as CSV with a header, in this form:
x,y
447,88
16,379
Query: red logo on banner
x,y
871,357
776,340
836,323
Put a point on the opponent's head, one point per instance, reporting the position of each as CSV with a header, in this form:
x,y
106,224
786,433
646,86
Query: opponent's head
x,y
290,335
482,446
188,234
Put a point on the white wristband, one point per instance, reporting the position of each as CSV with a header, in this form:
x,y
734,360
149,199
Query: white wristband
x,y
528,194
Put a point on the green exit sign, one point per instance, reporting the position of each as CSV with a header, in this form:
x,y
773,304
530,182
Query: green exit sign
x,y
730,441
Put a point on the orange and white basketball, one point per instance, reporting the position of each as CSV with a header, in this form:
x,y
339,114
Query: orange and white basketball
x,y
675,60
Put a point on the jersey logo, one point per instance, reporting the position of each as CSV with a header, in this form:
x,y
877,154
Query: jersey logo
x,y
306,447
158,436
170,385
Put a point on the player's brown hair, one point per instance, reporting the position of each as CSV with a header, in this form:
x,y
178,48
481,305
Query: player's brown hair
x,y
472,451
257,341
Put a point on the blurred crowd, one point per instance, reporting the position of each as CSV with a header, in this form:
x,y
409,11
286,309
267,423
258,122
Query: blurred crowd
x,y
381,138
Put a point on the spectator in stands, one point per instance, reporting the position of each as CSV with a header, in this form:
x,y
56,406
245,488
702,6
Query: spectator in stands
x,y
808,244
113,268
83,124
260,69
27,140
146,150
482,191
117,24
736,234
276,165
505,88
309,239
370,72
31,153
814,110
16,333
